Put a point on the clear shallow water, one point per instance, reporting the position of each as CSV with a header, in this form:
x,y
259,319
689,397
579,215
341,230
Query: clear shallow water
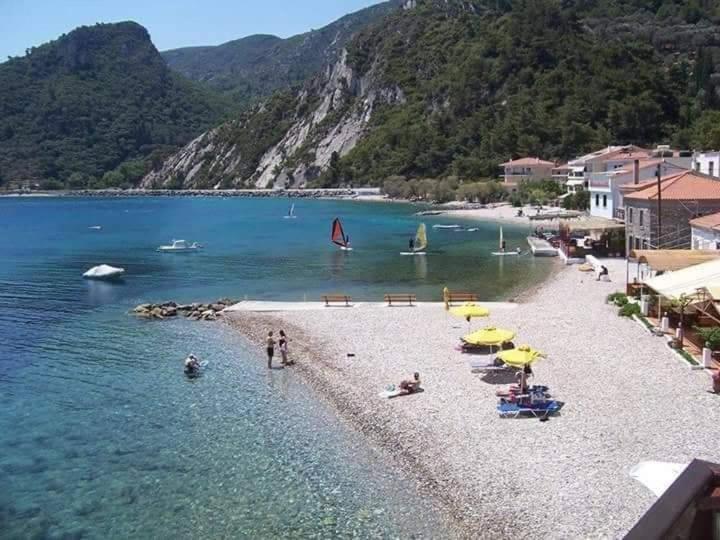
x,y
100,434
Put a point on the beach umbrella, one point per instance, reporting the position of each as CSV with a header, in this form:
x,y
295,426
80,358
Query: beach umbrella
x,y
489,336
522,356
469,311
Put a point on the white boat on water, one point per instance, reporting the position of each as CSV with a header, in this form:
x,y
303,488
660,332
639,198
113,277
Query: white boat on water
x,y
179,246
420,243
446,226
104,271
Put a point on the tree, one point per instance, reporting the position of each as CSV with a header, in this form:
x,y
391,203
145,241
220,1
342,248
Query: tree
x,y
77,180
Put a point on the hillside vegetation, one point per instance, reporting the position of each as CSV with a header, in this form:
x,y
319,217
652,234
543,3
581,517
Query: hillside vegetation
x,y
255,66
95,108
484,85
451,88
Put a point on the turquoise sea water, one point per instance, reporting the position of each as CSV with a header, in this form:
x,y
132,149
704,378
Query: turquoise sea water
x,y
100,434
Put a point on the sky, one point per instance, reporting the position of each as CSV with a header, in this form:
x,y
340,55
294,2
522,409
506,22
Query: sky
x,y
171,23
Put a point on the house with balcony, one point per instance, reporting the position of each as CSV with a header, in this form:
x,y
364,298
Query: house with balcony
x,y
658,216
527,169
606,198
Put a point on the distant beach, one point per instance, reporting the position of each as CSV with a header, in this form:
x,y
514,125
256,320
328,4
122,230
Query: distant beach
x,y
450,438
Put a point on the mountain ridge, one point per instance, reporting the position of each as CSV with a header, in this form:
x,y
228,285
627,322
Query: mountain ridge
x,y
254,66
453,87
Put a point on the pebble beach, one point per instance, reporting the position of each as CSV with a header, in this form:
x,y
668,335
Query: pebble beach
x,y
628,398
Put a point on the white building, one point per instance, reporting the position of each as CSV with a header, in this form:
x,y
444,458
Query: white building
x,y
706,232
606,199
707,163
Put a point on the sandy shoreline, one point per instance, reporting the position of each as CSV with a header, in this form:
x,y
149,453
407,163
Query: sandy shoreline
x,y
628,399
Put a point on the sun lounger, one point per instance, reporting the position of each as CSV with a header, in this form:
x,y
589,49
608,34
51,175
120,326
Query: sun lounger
x,y
479,366
539,410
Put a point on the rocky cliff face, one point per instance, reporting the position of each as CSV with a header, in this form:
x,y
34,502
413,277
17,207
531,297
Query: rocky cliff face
x,y
328,117
452,87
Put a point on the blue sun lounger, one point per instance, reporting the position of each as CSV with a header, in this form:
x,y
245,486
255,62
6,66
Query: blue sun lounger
x,y
539,409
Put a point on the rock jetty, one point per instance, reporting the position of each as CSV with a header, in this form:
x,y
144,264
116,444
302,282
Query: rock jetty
x,y
246,193
195,311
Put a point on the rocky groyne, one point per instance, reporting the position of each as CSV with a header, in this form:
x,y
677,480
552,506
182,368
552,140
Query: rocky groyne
x,y
195,311
247,193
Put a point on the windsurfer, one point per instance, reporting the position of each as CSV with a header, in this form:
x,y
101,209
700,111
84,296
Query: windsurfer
x,y
411,244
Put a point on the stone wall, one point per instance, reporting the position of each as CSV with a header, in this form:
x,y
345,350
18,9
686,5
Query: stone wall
x,y
676,233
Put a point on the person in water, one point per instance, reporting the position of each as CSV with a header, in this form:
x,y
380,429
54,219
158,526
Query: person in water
x,y
283,344
410,387
270,349
192,365
411,244
502,246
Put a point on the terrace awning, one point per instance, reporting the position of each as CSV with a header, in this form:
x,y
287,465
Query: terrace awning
x,y
688,281
668,260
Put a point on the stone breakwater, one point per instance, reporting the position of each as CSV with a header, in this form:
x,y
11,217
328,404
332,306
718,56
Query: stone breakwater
x,y
246,193
194,312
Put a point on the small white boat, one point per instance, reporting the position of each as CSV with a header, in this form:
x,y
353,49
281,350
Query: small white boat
x,y
95,227
446,226
419,244
104,271
179,246
291,212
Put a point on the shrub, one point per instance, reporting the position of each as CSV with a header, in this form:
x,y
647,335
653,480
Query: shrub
x,y
618,298
628,310
710,336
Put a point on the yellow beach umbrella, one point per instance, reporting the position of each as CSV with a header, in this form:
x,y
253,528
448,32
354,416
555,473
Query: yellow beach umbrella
x,y
489,336
470,310
521,356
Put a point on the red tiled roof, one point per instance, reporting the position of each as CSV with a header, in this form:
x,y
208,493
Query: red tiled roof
x,y
684,186
527,162
710,222
621,152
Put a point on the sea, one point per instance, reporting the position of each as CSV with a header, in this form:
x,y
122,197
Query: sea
x,y
102,436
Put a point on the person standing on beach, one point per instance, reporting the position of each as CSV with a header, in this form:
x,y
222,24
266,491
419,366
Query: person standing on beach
x,y
283,344
270,349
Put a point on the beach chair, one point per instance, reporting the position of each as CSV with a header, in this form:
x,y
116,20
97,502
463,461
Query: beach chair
x,y
540,409
481,366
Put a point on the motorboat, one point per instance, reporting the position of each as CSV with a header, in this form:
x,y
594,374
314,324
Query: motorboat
x,y
180,246
104,271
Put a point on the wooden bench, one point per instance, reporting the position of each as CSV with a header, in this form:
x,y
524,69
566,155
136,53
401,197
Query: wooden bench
x,y
336,298
399,298
454,297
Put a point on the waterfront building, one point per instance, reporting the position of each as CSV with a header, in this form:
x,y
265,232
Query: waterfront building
x,y
658,217
527,169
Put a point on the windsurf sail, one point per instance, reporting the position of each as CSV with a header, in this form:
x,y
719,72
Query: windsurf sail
x,y
291,212
502,240
337,236
420,238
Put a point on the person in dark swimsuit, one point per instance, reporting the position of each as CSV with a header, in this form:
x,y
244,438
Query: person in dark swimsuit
x,y
270,349
411,244
192,366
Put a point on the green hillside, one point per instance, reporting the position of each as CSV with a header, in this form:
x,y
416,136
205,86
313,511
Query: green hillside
x,y
93,100
486,81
